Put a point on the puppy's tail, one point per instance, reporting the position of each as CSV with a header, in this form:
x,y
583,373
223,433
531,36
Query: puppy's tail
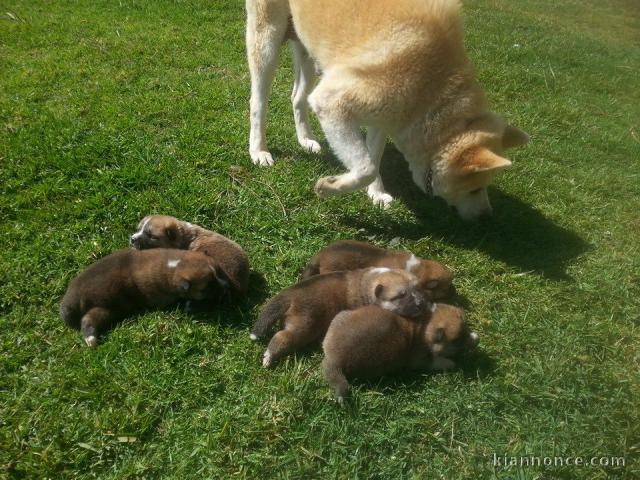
x,y
69,313
270,314
335,377
310,270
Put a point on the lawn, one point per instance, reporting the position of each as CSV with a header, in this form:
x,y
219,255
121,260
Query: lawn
x,y
113,110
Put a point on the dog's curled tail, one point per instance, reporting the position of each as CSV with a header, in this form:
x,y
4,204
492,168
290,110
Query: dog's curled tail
x,y
310,270
336,378
270,314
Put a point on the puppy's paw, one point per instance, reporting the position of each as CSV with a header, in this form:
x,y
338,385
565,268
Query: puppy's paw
x,y
253,337
266,359
261,158
91,341
310,145
326,186
380,199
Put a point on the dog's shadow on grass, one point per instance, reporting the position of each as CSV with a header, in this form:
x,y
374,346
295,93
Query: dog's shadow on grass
x,y
472,365
233,312
516,233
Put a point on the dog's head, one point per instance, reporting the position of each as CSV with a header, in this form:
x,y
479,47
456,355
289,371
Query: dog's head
x,y
158,231
397,291
465,166
447,332
198,277
434,279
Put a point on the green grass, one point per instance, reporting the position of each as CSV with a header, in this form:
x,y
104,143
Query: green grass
x,y
112,110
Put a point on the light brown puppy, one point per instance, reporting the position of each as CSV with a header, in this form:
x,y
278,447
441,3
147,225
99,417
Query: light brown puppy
x,y
433,277
307,308
168,232
398,68
369,342
128,280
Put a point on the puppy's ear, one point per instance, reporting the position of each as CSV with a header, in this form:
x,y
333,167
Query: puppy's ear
x,y
220,276
439,336
378,290
171,232
480,159
514,137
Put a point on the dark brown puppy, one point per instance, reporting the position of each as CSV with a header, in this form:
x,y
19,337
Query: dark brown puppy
x,y
306,309
370,341
128,280
435,279
168,232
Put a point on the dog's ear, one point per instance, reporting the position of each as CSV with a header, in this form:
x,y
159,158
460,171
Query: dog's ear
x,y
378,290
220,276
171,232
513,137
481,159
439,336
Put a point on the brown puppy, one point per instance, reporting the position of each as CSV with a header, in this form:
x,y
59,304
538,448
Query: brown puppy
x,y
307,308
128,280
433,277
168,232
370,341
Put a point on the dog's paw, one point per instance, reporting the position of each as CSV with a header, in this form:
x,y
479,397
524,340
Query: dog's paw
x,y
310,145
380,199
326,186
91,341
262,158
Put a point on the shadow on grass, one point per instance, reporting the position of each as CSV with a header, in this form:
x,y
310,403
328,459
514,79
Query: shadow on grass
x,y
233,312
516,234
474,365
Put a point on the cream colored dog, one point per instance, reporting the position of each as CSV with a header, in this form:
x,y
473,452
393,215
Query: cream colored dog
x,y
397,67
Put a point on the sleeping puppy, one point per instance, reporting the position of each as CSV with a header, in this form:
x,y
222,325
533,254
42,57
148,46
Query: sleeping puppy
x,y
370,341
129,280
168,232
433,277
307,308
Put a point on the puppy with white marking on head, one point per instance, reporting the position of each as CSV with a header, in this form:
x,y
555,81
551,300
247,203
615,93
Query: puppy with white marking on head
x,y
164,231
130,280
306,309
434,278
398,68
369,342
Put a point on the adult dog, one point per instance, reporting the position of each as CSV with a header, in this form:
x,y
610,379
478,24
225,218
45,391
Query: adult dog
x,y
397,67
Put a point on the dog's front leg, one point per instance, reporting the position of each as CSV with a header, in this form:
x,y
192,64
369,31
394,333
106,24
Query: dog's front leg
x,y
348,144
267,23
346,140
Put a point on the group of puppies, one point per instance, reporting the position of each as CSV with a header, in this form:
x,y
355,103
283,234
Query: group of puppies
x,y
171,260
373,311
371,308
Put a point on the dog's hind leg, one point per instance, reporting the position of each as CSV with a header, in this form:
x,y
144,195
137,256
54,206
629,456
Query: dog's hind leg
x,y
286,341
92,323
331,103
267,23
376,140
302,85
